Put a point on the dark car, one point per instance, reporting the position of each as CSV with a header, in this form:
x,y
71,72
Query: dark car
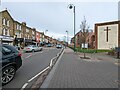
x,y
10,62
17,47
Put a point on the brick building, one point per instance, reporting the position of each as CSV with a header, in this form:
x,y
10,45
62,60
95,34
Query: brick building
x,y
15,33
19,34
79,40
7,28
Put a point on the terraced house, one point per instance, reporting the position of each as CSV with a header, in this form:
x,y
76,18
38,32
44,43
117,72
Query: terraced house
x,y
15,33
18,32
6,28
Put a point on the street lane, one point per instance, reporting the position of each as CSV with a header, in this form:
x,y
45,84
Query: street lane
x,y
32,65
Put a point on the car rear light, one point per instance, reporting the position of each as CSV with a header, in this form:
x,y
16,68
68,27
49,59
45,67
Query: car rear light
x,y
20,54
27,48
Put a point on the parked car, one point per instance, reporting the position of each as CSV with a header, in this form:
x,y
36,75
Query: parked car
x,y
32,48
10,61
59,46
49,45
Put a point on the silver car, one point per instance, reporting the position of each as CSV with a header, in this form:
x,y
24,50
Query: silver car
x,y
32,48
59,46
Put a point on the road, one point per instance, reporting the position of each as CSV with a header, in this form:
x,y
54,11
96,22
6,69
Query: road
x,y
33,63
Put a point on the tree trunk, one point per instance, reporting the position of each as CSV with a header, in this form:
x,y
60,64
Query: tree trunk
x,y
84,50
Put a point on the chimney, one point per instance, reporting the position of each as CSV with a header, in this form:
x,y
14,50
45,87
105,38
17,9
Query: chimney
x,y
24,23
34,29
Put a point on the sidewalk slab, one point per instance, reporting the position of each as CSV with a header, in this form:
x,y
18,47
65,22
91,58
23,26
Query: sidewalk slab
x,y
72,72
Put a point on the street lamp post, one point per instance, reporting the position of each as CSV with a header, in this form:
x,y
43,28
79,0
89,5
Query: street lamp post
x,y
46,31
71,6
44,34
67,36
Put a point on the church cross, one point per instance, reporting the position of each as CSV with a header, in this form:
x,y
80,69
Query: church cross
x,y
107,29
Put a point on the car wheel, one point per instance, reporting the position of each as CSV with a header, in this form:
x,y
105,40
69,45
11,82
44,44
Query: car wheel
x,y
41,49
33,50
8,74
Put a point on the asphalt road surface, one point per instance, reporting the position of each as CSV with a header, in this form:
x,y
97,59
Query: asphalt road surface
x,y
33,63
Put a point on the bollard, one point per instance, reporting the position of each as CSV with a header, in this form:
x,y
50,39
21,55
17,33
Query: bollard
x,y
118,55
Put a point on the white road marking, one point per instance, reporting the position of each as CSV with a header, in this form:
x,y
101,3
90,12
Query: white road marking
x,y
32,54
24,86
51,74
51,61
28,56
38,74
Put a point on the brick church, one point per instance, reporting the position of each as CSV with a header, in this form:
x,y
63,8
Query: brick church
x,y
107,35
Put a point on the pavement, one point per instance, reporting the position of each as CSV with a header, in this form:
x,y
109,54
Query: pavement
x,y
70,71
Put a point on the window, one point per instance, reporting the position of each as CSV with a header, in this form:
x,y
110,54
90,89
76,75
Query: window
x,y
33,37
7,51
33,32
4,20
28,37
18,27
8,23
6,32
27,30
37,34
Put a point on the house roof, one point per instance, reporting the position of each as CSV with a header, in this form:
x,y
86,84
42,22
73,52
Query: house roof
x,y
108,23
7,13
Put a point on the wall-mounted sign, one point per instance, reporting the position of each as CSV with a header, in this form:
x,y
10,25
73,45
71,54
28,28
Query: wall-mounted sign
x,y
84,46
6,38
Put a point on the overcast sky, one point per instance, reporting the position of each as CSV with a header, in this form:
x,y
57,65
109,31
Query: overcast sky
x,y
57,18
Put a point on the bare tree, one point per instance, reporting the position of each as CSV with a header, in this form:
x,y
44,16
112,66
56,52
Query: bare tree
x,y
84,27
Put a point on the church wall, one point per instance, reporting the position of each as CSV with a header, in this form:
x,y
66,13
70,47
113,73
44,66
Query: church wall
x,y
112,37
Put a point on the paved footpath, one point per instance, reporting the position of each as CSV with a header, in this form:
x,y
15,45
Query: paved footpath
x,y
71,71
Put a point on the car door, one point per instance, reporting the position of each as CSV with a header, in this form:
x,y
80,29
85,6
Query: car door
x,y
8,56
1,59
35,48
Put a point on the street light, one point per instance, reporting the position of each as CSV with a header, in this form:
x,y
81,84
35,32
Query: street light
x,y
64,39
46,31
71,6
67,36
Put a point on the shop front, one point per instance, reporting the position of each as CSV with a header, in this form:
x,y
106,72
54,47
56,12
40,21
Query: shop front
x,y
28,42
6,40
19,42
